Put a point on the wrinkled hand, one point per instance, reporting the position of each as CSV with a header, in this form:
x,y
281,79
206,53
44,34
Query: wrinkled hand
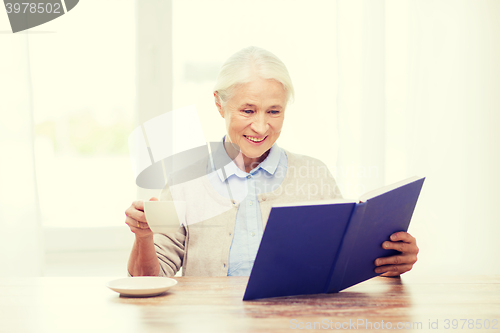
x,y
136,219
398,264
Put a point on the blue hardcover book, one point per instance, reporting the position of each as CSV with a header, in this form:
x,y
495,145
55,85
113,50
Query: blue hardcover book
x,y
327,246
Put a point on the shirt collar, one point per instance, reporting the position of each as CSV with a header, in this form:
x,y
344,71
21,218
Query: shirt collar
x,y
222,161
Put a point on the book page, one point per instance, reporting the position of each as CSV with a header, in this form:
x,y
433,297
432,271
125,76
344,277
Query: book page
x,y
372,194
315,203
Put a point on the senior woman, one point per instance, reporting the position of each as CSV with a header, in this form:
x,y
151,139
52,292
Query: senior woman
x,y
227,210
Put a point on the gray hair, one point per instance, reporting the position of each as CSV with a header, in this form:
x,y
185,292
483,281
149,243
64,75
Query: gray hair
x,y
242,66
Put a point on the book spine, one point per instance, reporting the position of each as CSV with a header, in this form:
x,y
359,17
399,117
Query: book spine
x,y
341,262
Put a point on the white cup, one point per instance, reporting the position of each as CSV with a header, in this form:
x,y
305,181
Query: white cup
x,y
165,216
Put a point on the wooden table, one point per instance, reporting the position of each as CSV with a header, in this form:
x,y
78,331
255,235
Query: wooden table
x,y
207,304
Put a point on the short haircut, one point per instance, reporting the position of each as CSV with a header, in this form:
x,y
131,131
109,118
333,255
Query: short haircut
x,y
247,63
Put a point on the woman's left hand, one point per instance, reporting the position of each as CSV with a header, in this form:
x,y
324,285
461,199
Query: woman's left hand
x,y
398,264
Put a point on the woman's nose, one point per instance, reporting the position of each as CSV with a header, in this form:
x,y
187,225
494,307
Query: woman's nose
x,y
260,124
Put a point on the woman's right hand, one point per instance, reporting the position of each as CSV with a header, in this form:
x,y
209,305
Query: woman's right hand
x,y
136,219
143,260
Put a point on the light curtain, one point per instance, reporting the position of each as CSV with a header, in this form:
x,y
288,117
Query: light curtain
x,y
20,246
418,95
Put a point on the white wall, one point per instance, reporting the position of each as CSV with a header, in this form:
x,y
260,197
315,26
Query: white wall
x,y
443,80
439,76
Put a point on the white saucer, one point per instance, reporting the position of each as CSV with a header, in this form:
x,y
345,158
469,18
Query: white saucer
x,y
141,285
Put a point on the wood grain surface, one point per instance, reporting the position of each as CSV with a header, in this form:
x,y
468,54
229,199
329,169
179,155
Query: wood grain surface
x,y
214,304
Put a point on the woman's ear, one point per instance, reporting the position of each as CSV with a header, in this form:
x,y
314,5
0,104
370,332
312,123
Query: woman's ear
x,y
218,103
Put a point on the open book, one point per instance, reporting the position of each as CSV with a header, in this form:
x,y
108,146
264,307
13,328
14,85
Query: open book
x,y
327,246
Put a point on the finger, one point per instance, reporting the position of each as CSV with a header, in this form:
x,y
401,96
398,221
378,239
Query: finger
x,y
136,225
394,269
396,260
143,225
401,247
403,236
135,214
132,223
139,205
153,199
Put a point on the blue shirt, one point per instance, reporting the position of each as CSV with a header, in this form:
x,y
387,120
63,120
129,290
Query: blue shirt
x,y
244,188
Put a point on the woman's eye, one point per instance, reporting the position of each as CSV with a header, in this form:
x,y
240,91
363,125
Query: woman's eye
x,y
274,112
248,111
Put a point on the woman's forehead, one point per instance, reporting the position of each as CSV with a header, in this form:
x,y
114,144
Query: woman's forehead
x,y
259,91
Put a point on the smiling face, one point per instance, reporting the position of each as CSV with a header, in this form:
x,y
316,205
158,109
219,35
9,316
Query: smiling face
x,y
254,117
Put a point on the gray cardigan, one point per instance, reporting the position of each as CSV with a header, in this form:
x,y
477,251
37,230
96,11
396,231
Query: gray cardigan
x,y
201,247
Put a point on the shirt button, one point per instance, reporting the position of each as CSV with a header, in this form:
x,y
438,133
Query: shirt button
x,y
229,234
252,234
224,265
250,203
248,177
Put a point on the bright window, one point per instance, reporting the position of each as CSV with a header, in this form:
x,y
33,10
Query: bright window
x,y
83,74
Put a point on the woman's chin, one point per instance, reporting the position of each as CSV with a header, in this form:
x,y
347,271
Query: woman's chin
x,y
254,153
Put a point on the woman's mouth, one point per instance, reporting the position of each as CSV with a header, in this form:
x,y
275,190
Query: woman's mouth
x,y
254,139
